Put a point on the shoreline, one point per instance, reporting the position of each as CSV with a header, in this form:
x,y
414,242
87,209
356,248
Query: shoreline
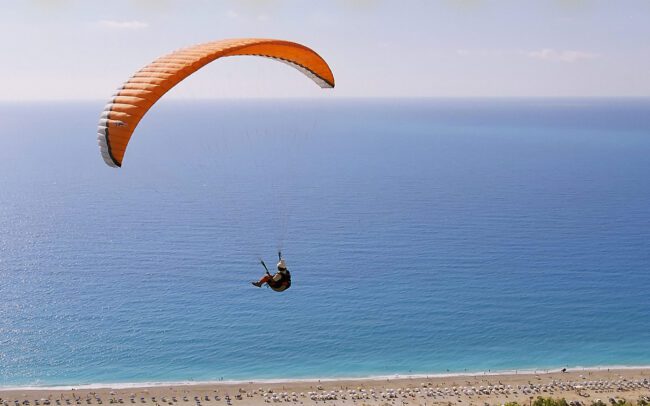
x,y
579,387
276,381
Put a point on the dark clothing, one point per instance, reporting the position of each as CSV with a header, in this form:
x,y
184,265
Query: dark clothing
x,y
280,285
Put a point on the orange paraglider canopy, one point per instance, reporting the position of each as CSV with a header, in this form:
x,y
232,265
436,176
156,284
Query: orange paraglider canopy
x,y
132,101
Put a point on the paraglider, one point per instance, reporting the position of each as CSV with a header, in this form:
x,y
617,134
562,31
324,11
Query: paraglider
x,y
141,91
279,282
138,94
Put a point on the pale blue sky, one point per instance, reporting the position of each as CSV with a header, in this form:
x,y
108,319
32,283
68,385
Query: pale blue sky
x,y
66,49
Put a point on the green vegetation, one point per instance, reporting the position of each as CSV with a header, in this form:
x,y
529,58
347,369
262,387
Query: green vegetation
x,y
542,401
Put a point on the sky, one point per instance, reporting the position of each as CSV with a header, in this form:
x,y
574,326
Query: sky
x,y
84,50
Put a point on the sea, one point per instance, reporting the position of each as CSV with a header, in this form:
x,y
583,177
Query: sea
x,y
423,235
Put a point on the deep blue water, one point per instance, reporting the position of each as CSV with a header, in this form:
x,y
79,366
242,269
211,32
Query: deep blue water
x,y
423,236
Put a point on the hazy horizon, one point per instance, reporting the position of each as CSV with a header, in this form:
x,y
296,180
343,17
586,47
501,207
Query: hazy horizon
x,y
320,99
73,50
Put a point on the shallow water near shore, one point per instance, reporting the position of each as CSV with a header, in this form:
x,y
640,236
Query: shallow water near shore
x,y
423,236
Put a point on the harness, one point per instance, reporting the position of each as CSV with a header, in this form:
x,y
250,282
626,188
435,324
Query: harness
x,y
283,284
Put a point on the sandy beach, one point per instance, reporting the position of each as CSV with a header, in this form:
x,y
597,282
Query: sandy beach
x,y
584,386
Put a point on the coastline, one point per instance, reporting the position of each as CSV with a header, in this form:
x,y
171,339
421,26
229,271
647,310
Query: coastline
x,y
584,385
397,376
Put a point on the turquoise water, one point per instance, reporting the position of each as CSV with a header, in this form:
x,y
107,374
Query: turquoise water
x,y
423,236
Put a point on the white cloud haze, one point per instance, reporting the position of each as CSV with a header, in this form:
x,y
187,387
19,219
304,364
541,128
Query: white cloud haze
x,y
123,25
549,54
375,48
